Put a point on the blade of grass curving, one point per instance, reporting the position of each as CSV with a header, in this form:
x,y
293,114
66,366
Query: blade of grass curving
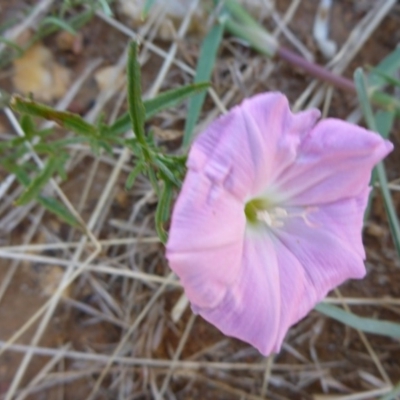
x,y
205,65
59,23
362,93
76,22
369,325
163,101
136,107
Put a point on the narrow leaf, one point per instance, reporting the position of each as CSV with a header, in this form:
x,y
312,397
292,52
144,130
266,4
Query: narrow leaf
x,y
163,101
163,211
36,185
65,119
205,65
386,101
166,172
369,325
18,171
384,122
172,97
389,65
133,175
387,78
58,209
28,127
136,108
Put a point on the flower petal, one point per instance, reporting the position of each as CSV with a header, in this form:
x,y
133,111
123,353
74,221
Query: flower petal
x,y
271,293
250,309
344,219
253,142
205,242
334,162
328,253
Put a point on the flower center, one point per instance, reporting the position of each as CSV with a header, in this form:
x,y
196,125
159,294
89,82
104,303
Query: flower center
x,y
253,207
263,211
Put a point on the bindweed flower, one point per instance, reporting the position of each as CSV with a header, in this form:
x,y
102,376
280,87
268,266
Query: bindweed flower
x,y
270,215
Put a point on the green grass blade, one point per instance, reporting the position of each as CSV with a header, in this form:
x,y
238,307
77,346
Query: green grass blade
x,y
163,101
22,176
171,97
139,167
389,207
384,121
35,186
362,93
136,107
368,325
205,65
76,22
389,65
163,211
55,207
387,78
59,23
28,127
386,101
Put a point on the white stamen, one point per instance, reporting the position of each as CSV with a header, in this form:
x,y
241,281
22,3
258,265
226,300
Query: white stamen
x,y
265,217
274,218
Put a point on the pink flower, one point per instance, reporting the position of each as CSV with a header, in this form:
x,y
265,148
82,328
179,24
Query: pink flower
x,y
270,215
